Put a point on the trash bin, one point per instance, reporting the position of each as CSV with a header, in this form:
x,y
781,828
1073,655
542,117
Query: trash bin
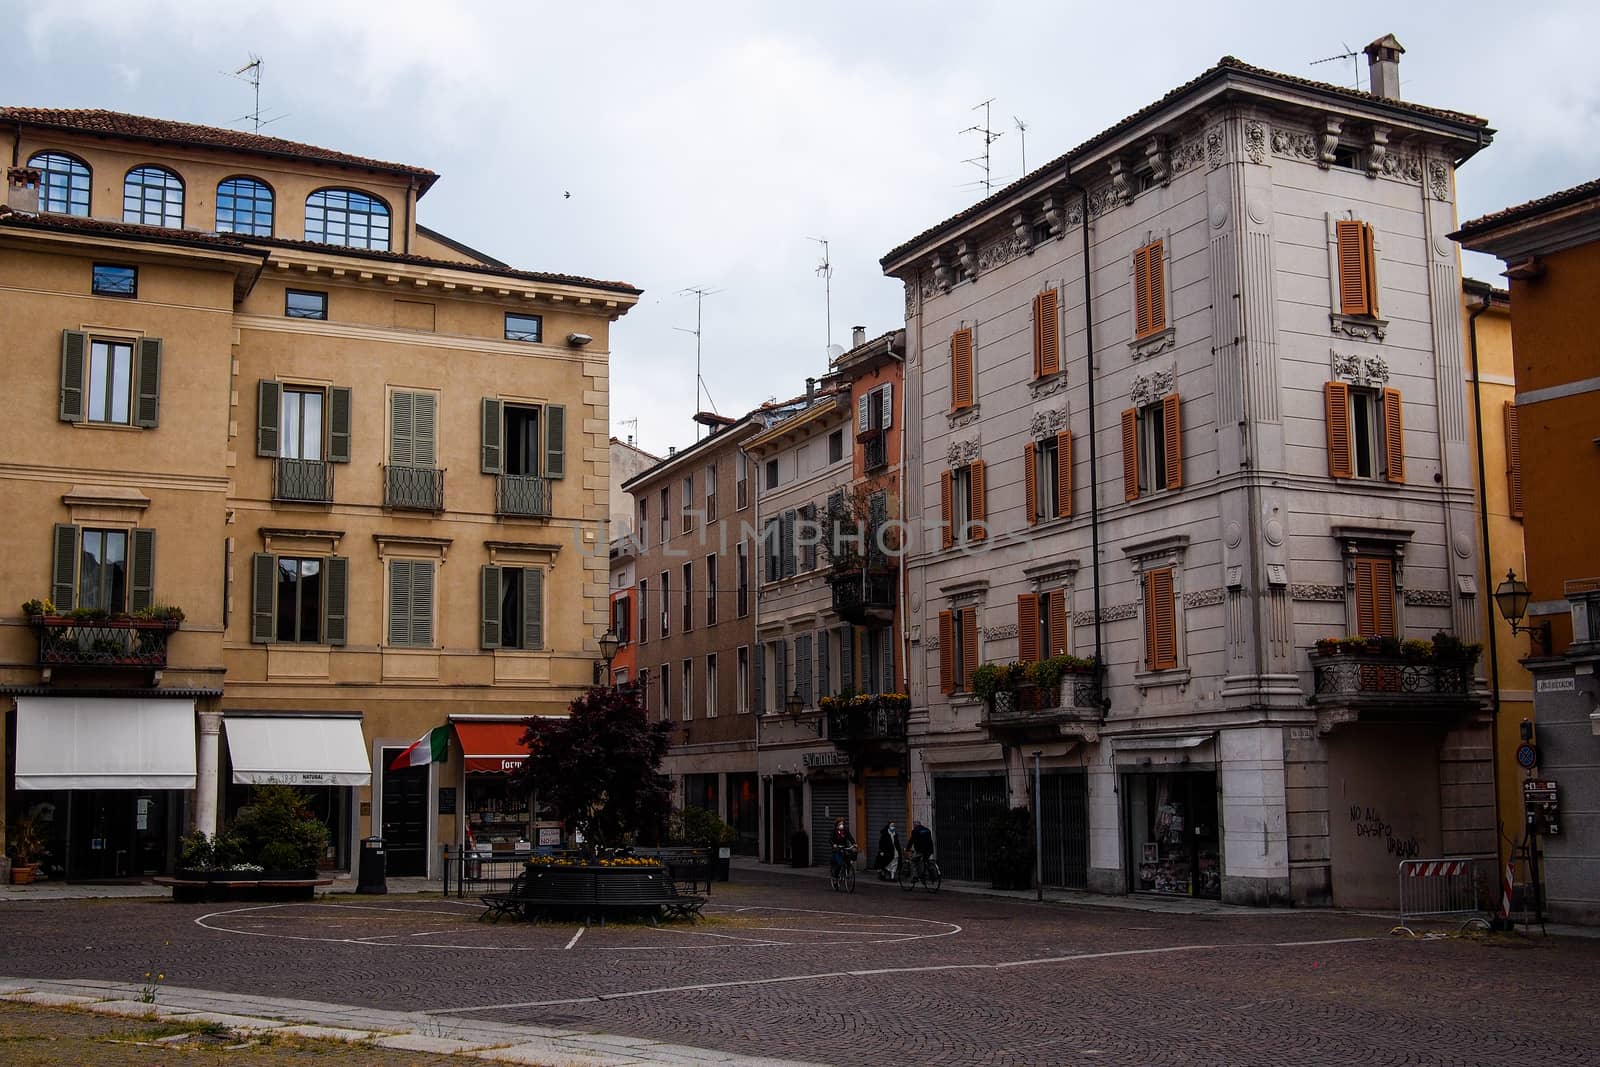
x,y
799,849
721,862
371,876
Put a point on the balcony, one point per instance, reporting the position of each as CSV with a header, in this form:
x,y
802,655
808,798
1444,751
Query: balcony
x,y
413,488
864,597
871,728
522,495
1074,707
65,641
875,453
1376,680
305,481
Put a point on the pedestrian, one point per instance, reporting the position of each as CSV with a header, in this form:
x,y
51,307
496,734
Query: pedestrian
x,y
887,861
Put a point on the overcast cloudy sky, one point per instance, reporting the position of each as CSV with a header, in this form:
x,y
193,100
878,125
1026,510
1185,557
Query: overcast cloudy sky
x,y
704,143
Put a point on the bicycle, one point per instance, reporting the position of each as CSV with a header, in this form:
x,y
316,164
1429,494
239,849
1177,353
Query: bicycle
x,y
842,870
915,868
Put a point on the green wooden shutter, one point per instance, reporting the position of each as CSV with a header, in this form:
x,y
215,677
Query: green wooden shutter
x,y
555,441
422,603
780,672
147,409
335,599
142,572
263,597
490,436
847,659
269,402
532,608
74,345
760,701
399,602
489,613
424,429
339,424
64,580
402,414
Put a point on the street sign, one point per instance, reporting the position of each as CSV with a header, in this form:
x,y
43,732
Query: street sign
x,y
1527,756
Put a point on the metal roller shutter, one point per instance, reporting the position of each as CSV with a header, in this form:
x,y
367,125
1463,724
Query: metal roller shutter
x,y
830,799
962,810
1065,818
886,803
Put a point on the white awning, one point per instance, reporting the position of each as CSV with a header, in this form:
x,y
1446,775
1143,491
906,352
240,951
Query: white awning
x,y
297,750
105,743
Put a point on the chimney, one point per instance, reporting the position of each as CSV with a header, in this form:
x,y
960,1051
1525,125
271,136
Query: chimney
x,y
858,336
22,188
672,450
1383,67
811,389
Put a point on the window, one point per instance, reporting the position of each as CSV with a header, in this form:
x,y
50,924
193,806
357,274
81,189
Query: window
x,y
644,610
1040,233
1041,625
524,327
1374,596
771,543
741,485
63,185
110,280
1152,448
1358,268
836,446
958,649
711,590
711,492
1046,334
758,687
688,596
772,474
1047,477
304,304
666,525
711,685
111,570
299,600
103,570
666,691
411,603
666,603
688,689
688,503
346,217
513,608
808,536
619,677
622,619
875,414
244,205
1149,290
962,498
741,696
153,196
644,518
743,605
1144,179
301,423
1347,157
1366,435
961,391
1160,620
110,382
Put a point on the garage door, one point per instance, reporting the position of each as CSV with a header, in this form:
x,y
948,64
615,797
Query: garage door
x,y
962,811
830,798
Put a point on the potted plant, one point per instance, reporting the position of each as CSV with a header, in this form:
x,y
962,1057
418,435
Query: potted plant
x,y
698,828
1011,849
996,685
278,833
26,839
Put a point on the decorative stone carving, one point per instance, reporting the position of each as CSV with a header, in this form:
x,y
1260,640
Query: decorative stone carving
x,y
1377,150
1119,181
1155,153
1055,215
1148,388
1427,598
1439,179
1188,155
1325,594
1331,127
1047,423
1361,329
1022,227
931,642
912,291
960,453
1403,167
1255,142
968,257
1003,251
963,418
1360,369
1001,633
1216,147
1155,344
1102,200
1295,143
1204,598
1043,387
1116,613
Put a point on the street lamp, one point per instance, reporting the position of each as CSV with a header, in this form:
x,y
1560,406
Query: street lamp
x,y
793,703
1511,597
609,643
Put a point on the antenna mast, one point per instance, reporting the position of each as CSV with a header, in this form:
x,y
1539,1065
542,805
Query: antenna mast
x,y
826,270
989,137
1022,135
634,423
254,67
1348,53
699,292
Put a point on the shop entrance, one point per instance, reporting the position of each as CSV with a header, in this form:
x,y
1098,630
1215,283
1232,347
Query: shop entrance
x,y
829,801
743,812
785,819
405,816
962,810
1173,838
1064,819
112,834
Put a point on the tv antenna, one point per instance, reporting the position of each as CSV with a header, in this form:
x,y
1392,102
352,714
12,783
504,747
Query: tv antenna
x,y
1349,54
634,424
700,293
825,270
990,136
250,74
1022,135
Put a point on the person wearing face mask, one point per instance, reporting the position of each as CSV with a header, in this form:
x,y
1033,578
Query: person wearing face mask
x,y
887,861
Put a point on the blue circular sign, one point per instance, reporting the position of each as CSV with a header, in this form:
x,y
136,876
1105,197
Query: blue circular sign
x,y
1527,756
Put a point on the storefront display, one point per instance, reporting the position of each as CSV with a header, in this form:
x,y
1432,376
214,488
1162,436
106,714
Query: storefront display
x,y
1173,841
497,815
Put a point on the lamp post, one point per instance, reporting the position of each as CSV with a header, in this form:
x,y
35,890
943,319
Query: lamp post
x,y
609,643
1511,597
793,703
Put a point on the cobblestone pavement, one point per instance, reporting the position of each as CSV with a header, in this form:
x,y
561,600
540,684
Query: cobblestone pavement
x,y
791,970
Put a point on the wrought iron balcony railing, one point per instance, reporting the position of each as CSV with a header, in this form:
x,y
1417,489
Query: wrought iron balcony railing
x,y
875,452
69,642
522,494
864,597
305,480
1076,700
874,720
1375,677
413,488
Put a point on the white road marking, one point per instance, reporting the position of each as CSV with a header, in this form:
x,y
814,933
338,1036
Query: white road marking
x,y
575,936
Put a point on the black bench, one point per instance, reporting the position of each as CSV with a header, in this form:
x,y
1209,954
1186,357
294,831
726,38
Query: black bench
x,y
687,867
591,891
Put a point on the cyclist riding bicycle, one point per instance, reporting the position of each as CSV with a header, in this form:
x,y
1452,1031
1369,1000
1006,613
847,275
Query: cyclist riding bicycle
x,y
921,844
844,844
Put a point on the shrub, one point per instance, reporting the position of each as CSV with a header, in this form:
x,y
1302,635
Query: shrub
x,y
278,814
279,856
991,678
698,827
1011,849
196,852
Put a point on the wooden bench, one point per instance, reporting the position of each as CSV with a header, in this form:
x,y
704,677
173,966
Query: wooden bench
x,y
592,891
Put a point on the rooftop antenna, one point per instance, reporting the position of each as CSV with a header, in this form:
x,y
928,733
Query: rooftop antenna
x,y
825,269
254,78
1348,53
700,293
989,137
634,423
1022,135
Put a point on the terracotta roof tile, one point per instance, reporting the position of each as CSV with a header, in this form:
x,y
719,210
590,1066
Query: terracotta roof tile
x,y
1224,66
1529,210
164,131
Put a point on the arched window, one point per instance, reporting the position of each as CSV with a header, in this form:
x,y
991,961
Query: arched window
x,y
346,217
65,188
152,196
244,205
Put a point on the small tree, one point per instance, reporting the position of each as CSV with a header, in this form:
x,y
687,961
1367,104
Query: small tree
x,y
600,767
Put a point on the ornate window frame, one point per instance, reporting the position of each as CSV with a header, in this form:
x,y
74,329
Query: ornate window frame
x,y
1359,327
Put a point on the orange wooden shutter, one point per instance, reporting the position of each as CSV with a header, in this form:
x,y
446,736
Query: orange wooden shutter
x,y
1369,267
1130,454
1394,437
1030,474
1056,610
1141,292
1028,627
1366,620
978,507
1156,269
1336,405
1161,627
1046,335
1172,419
947,507
947,652
1383,596
1354,271
969,647
1063,474
961,369
1513,462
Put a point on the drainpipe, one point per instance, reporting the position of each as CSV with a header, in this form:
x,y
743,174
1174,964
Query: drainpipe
x,y
1488,562
905,631
1094,464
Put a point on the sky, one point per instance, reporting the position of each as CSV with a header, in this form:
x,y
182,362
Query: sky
x,y
705,145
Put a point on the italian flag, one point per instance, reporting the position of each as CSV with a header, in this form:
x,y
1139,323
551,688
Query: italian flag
x,y
431,747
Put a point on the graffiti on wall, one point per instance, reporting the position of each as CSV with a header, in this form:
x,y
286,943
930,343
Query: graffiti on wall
x,y
1369,822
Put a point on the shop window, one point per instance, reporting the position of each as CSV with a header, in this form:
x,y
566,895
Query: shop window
x,y
1173,839
498,812
1152,448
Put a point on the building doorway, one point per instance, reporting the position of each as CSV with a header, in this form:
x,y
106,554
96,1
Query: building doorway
x,y
405,817
1174,842
115,834
963,808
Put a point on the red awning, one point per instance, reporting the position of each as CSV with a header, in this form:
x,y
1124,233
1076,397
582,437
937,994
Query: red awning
x,y
492,747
